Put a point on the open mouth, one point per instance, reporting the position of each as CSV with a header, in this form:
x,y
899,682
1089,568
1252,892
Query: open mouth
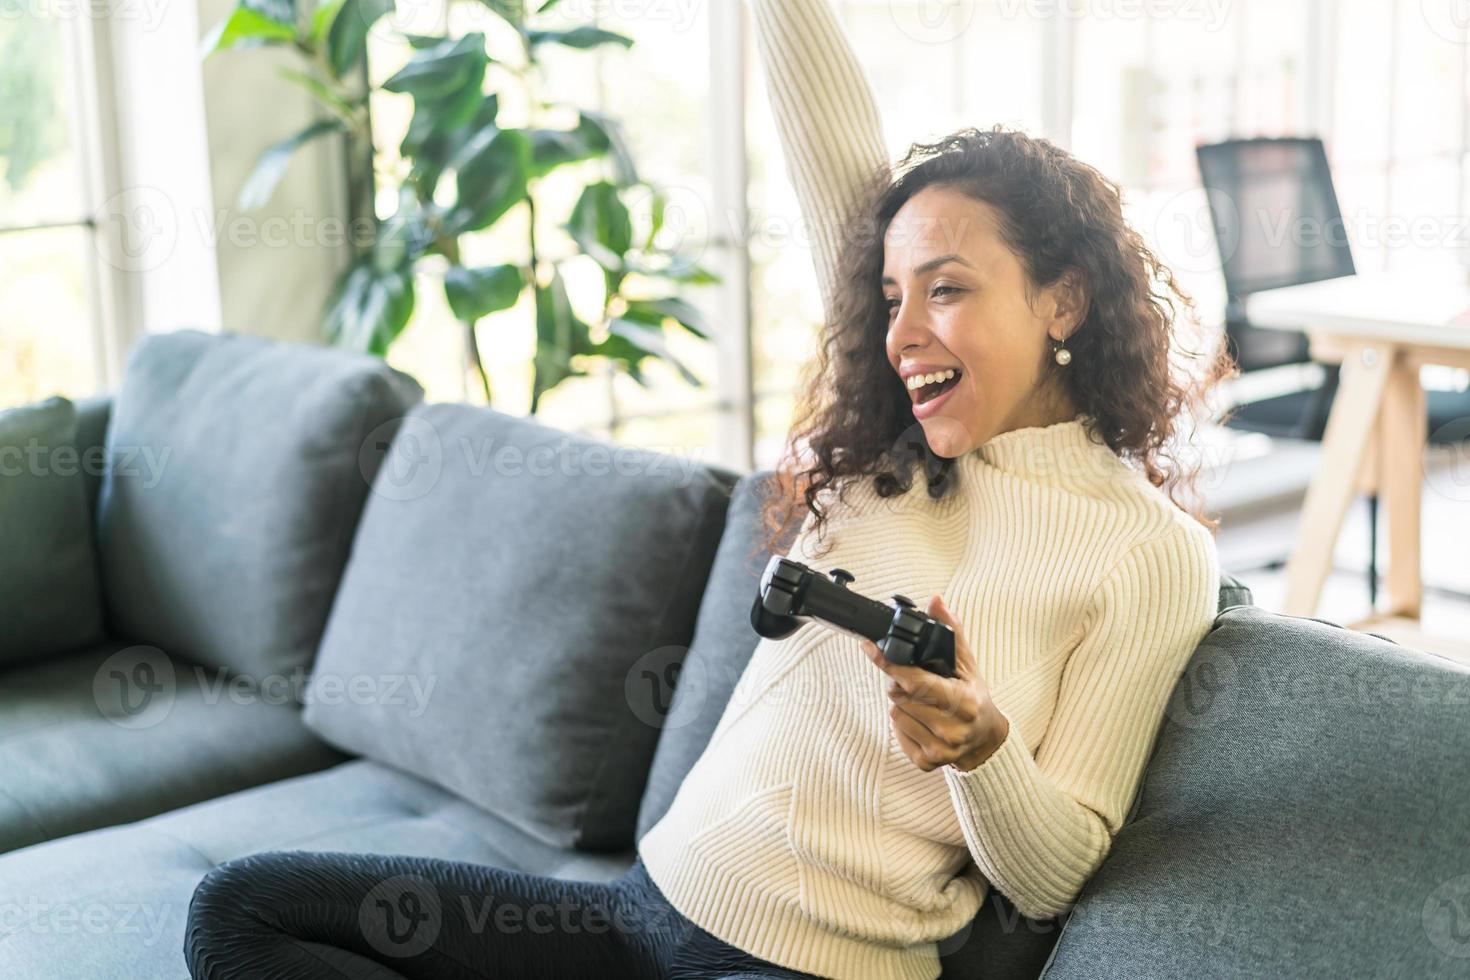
x,y
932,391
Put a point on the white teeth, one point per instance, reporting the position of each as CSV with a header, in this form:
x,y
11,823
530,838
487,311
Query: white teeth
x,y
920,380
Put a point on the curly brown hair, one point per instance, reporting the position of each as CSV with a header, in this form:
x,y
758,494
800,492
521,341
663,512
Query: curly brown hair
x,y
1058,215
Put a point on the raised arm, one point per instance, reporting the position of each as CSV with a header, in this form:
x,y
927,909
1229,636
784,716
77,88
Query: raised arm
x,y
830,131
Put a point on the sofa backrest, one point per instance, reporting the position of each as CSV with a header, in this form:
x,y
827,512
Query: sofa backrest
x,y
236,471
526,591
1304,814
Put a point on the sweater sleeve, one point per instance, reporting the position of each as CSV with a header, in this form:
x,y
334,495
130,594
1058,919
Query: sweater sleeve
x,y
828,123
1039,827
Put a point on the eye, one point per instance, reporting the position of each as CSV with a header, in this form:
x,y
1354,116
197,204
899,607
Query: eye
x,y
939,289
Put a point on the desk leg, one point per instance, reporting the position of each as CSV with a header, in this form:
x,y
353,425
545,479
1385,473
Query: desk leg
x,y
1403,430
1350,424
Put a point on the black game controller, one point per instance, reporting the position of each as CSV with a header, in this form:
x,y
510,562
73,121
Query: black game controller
x,y
791,592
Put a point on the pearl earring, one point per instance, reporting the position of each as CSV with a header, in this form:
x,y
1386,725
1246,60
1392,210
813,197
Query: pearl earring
x,y
1062,355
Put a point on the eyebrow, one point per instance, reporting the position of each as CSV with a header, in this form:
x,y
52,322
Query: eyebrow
x,y
930,266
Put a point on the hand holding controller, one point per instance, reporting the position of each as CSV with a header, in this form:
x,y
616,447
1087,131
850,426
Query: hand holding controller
x,y
790,592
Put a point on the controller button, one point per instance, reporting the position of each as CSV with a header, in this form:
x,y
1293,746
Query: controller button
x,y
842,576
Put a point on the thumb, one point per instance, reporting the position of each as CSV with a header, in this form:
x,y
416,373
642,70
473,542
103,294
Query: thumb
x,y
938,610
964,661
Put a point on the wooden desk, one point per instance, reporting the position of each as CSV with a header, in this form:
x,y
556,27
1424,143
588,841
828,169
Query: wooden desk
x,y
1381,328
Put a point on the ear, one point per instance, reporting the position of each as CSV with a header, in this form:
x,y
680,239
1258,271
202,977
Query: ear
x,y
1070,300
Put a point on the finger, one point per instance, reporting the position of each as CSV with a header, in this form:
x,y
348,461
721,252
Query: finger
x,y
938,610
926,752
874,654
960,709
919,726
913,679
912,750
964,657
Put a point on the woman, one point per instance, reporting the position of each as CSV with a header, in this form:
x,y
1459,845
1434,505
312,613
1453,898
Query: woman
x,y
991,316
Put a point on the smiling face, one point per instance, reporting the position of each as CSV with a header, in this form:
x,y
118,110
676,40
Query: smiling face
x,y
956,297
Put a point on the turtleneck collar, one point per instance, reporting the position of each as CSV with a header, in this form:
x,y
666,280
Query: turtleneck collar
x,y
1062,453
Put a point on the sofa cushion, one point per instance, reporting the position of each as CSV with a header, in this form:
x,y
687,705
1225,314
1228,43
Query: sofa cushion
x,y
117,732
1304,814
92,417
130,886
49,598
525,582
237,468
722,646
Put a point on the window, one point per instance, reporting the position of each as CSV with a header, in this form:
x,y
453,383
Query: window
x,y
54,317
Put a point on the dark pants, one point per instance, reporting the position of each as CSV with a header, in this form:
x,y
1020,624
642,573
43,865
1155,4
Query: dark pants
x,y
311,914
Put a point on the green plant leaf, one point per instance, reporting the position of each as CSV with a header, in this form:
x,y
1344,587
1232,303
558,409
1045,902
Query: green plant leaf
x,y
246,28
347,40
473,293
403,237
583,37
280,11
552,148
320,91
369,308
444,70
604,133
547,6
434,139
559,336
679,270
321,20
601,226
272,163
651,341
685,270
512,12
657,205
655,311
492,178
625,352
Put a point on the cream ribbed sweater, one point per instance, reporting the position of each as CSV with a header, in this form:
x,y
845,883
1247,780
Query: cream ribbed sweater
x,y
804,834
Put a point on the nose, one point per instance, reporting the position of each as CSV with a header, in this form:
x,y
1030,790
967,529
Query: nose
x,y
908,328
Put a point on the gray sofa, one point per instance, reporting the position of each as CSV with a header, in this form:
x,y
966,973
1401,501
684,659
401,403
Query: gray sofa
x,y
330,617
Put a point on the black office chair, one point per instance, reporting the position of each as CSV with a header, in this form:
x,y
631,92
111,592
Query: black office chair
x,y
1258,190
